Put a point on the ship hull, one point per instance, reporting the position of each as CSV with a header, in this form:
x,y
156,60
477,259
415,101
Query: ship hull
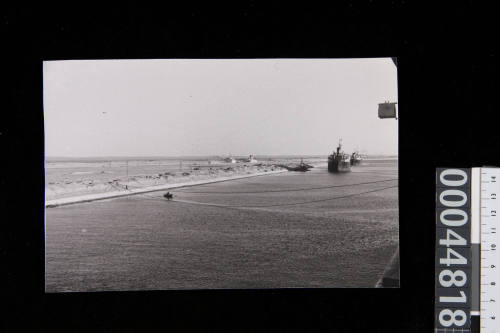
x,y
338,165
355,161
338,161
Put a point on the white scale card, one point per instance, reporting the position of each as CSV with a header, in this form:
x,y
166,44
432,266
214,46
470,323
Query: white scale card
x,y
489,260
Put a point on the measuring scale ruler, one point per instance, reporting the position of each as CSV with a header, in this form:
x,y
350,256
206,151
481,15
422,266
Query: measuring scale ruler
x,y
489,246
467,294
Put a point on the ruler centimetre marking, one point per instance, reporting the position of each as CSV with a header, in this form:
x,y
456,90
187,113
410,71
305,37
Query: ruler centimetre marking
x,y
475,239
490,241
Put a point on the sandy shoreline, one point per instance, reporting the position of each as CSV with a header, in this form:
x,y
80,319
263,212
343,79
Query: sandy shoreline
x,y
76,183
126,192
98,184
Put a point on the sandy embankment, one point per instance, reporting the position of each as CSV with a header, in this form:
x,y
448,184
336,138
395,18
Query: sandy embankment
x,y
92,188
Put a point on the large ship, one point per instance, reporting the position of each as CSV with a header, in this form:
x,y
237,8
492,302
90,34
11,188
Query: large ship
x,y
356,158
339,161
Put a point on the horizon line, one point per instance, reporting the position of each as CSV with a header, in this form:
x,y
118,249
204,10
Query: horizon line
x,y
208,155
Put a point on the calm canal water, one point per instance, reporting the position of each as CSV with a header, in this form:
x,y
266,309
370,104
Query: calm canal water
x,y
144,242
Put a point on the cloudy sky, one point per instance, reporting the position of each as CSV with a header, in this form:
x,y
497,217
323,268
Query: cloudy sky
x,y
218,107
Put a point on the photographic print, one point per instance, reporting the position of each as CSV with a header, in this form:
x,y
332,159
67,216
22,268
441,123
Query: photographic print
x,y
220,174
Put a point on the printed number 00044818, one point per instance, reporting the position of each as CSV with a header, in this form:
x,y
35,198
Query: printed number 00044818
x,y
453,248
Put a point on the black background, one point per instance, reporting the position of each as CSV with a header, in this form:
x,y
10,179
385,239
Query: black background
x,y
448,80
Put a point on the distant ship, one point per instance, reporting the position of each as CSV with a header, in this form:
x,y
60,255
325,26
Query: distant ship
x,y
251,159
339,161
356,158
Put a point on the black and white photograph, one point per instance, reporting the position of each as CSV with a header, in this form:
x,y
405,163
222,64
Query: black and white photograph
x,y
166,174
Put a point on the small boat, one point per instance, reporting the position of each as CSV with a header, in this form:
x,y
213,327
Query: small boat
x,y
339,161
